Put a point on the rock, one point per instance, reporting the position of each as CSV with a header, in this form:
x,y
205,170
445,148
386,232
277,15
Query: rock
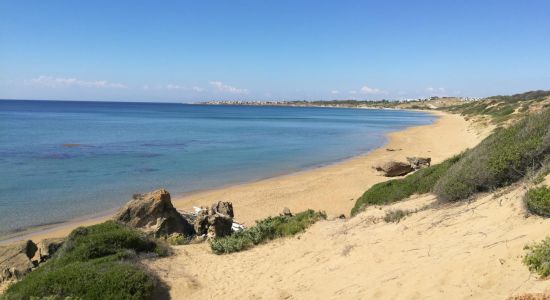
x,y
216,221
394,168
286,212
16,260
201,222
46,248
224,208
219,226
419,162
342,216
154,213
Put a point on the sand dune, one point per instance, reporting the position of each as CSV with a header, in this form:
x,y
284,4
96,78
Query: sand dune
x,y
453,251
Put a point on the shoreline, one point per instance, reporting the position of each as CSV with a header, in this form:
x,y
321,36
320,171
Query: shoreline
x,y
289,187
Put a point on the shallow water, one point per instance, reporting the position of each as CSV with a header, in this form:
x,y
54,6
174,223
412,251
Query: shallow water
x,y
61,160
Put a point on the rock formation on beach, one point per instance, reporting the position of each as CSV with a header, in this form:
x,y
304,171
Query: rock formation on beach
x,y
419,162
216,221
154,214
395,168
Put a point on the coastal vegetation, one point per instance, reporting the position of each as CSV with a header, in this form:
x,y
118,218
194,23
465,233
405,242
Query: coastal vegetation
x,y
419,182
265,230
537,201
503,108
395,216
96,262
504,157
537,258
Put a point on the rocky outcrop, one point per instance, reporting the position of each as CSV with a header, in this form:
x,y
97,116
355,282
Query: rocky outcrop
x,y
394,168
419,162
16,260
47,247
219,225
216,221
154,213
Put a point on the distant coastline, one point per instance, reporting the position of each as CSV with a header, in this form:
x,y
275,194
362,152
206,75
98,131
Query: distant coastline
x,y
431,103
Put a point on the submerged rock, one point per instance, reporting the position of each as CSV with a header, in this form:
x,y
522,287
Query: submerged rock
x,y
16,260
154,213
394,168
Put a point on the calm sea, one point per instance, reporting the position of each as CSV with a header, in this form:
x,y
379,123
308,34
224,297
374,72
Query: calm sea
x,y
61,160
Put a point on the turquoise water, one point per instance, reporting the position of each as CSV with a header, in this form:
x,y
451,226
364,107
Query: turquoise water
x,y
61,160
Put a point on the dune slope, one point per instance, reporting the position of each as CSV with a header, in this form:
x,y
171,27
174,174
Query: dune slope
x,y
453,251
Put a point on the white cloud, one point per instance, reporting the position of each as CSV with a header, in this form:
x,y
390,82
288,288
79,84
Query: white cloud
x,y
220,86
371,91
335,92
435,90
53,82
184,88
353,92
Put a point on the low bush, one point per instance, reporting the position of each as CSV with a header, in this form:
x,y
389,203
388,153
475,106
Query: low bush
x,y
419,182
502,158
96,262
538,258
537,201
266,229
395,216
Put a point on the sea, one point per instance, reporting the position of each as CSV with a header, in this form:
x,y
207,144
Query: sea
x,y
61,160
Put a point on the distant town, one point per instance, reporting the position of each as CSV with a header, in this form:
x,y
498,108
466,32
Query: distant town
x,y
420,103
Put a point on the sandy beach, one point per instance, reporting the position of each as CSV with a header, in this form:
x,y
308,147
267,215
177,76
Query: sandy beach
x,y
331,188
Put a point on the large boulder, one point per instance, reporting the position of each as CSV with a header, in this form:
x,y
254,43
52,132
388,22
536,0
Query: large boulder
x,y
154,213
419,162
16,260
394,168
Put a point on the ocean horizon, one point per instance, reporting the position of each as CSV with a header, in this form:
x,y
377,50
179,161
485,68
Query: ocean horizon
x,y
61,160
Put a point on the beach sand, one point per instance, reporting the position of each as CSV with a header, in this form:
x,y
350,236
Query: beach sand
x,y
333,188
454,251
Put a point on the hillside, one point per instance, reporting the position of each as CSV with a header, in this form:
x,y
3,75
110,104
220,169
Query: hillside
x,y
461,250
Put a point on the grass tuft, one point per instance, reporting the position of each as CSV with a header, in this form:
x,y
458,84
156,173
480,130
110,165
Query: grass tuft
x,y
395,216
538,258
265,230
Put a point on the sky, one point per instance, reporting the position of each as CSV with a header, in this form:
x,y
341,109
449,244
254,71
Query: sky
x,y
189,51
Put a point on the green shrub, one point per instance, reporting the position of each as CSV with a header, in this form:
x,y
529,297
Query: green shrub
x,y
537,201
419,182
502,158
95,262
266,229
538,258
395,216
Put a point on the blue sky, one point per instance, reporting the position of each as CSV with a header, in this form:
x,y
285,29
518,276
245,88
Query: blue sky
x,y
271,50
